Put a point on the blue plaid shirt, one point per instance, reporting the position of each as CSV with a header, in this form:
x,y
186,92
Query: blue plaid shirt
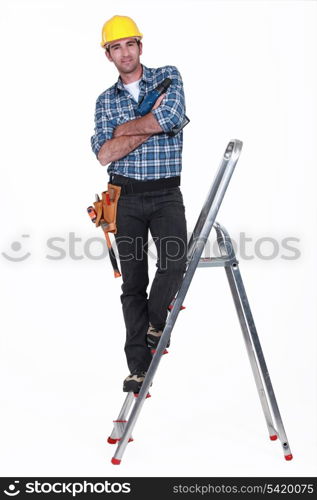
x,y
161,155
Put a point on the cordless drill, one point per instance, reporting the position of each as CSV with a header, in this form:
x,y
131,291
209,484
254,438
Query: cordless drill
x,y
150,99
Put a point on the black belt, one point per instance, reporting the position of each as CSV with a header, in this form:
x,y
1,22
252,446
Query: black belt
x,y
130,186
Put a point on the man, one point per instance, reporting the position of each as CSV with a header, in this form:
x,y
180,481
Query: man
x,y
146,162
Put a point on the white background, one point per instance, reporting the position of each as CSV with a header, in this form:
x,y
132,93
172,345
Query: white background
x,y
249,72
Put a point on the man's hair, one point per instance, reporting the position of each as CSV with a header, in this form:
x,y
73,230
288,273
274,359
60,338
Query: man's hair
x,y
108,46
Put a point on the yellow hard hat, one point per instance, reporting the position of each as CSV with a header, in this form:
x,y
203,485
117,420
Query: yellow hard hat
x,y
119,27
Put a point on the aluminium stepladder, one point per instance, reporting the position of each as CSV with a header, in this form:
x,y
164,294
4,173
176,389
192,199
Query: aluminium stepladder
x,y
123,426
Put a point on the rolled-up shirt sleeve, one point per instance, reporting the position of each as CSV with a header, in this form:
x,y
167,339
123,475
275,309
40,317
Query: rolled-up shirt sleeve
x,y
171,111
104,127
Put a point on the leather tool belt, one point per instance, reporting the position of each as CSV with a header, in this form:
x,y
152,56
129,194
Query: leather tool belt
x,y
106,209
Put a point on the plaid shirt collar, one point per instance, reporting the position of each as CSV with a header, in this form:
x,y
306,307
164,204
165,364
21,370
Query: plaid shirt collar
x,y
146,77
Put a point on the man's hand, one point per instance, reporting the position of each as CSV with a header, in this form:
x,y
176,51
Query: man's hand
x,y
158,101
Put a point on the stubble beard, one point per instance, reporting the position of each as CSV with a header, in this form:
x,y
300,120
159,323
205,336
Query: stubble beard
x,y
127,69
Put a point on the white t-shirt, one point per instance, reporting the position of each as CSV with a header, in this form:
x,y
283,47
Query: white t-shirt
x,y
134,89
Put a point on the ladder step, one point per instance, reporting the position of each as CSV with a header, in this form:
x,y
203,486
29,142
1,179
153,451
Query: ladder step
x,y
119,425
111,440
170,307
213,261
136,395
153,351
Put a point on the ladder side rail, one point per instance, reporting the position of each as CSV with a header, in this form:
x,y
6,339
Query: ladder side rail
x,y
233,148
253,345
226,249
125,407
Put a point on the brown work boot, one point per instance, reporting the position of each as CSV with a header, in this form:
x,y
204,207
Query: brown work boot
x,y
153,337
133,382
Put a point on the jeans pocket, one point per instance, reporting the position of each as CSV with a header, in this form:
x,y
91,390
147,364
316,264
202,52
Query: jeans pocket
x,y
175,195
168,191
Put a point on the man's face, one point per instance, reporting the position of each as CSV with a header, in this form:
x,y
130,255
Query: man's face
x,y
125,54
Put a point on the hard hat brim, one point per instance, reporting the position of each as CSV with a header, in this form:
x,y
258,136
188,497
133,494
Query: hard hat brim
x,y
139,37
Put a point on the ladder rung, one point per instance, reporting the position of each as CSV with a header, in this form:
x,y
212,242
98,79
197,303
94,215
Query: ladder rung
x,y
213,261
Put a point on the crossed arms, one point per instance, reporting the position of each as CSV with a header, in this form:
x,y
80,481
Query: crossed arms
x,y
112,142
129,136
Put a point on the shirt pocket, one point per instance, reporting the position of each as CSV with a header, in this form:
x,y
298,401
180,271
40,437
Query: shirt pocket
x,y
116,119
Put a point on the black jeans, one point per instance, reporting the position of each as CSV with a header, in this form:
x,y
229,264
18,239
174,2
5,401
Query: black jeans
x,y
163,213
